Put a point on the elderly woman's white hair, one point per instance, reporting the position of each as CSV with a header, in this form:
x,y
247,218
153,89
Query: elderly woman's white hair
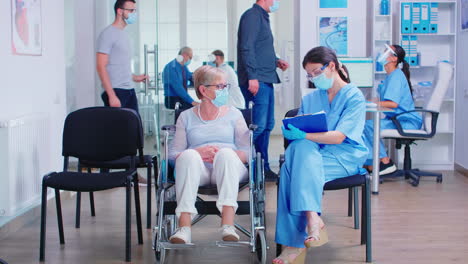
x,y
206,75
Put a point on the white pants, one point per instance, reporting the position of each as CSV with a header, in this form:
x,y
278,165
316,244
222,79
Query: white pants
x,y
191,172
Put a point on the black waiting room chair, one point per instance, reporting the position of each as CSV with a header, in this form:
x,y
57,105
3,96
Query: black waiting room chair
x,y
351,183
142,161
99,134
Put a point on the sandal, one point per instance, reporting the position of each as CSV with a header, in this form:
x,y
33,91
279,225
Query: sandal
x,y
317,235
291,255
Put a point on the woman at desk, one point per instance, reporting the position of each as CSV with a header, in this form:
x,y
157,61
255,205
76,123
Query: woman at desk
x,y
312,159
395,93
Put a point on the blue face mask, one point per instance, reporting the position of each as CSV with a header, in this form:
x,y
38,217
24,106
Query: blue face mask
x,y
275,6
187,63
221,97
132,17
382,59
322,81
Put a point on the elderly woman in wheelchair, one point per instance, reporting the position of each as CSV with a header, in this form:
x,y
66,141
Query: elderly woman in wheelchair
x,y
210,146
312,159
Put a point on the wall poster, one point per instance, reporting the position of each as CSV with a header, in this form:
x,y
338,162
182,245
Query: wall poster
x,y
26,27
333,33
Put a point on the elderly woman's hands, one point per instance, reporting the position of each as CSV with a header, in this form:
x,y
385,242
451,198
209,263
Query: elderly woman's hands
x,y
207,153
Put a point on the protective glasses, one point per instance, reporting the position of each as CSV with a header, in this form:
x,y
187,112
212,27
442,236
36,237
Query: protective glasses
x,y
220,86
317,72
132,10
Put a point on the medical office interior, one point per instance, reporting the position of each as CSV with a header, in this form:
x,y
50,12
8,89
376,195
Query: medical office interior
x,y
45,81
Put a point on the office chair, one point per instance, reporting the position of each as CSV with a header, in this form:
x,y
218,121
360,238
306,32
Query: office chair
x,y
430,116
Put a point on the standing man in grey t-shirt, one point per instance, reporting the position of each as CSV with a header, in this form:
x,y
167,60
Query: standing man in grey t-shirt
x,y
114,59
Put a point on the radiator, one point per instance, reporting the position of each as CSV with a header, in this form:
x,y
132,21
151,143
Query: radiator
x,y
25,152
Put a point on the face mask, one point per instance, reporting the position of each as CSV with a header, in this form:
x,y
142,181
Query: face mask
x,y
322,81
275,6
382,59
221,97
132,17
212,64
187,63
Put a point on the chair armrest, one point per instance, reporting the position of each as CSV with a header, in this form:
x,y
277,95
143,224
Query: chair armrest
x,y
434,117
168,128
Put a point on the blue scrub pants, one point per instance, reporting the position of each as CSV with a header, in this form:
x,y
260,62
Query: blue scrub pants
x,y
263,116
306,170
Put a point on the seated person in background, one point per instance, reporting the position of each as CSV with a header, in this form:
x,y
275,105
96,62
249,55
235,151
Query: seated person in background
x,y
210,146
175,78
236,98
395,92
312,159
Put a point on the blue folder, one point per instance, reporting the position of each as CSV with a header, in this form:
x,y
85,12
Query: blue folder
x,y
310,123
425,18
416,17
434,17
405,44
406,25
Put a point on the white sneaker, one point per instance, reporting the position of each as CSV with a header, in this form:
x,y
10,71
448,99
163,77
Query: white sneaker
x,y
182,235
229,233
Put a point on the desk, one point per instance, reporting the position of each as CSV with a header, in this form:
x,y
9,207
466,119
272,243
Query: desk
x,y
375,154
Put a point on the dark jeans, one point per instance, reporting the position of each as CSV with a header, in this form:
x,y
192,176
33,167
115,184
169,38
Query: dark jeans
x,y
263,116
170,101
127,98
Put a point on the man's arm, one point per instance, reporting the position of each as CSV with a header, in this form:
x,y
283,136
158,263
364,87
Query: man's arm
x,y
249,30
178,87
102,60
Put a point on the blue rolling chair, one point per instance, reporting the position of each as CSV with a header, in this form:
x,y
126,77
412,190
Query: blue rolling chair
x,y
352,183
101,134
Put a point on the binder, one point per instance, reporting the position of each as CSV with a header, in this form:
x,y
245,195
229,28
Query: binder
x,y
434,17
425,18
406,17
416,17
405,44
414,61
309,123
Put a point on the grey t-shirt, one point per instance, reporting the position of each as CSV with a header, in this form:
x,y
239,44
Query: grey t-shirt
x,y
116,43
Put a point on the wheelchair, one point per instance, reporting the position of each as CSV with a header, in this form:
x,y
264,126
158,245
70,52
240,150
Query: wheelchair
x,y
166,220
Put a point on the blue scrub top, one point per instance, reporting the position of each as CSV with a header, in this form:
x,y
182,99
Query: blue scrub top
x,y
395,88
347,114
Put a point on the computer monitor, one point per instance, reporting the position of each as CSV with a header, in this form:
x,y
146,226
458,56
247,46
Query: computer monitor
x,y
361,71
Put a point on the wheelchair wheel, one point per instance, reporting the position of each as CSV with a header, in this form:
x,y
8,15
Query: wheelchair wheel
x,y
261,247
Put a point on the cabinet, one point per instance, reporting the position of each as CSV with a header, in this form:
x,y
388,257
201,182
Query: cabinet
x,y
427,47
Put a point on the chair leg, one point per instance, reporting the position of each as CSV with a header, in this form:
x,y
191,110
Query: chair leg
x,y
128,221
59,216
138,211
91,199
350,202
363,215
43,222
356,207
148,197
368,224
78,209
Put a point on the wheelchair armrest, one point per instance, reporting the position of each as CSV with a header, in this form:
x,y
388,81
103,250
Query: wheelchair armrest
x,y
168,128
434,117
281,160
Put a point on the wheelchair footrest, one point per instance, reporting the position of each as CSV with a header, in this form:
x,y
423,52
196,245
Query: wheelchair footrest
x,y
207,208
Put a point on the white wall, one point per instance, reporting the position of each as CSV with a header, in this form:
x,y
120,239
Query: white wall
x,y
32,84
307,29
461,118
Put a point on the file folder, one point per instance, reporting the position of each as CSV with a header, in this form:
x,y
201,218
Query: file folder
x,y
416,17
405,44
309,123
434,17
414,61
425,18
406,26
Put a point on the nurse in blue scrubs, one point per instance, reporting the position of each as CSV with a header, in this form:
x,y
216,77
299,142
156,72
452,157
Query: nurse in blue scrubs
x,y
396,93
312,159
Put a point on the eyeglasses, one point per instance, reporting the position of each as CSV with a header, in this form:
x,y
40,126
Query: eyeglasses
x,y
317,72
132,10
220,86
